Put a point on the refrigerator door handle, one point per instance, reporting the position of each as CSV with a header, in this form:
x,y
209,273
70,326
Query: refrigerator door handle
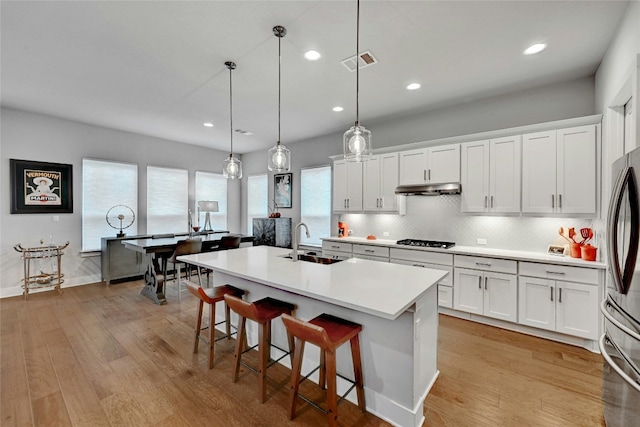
x,y
622,279
609,360
608,302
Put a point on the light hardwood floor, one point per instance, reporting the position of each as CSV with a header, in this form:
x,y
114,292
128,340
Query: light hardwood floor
x,y
108,356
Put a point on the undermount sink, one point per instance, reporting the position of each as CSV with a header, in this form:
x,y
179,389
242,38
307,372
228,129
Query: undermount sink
x,y
313,258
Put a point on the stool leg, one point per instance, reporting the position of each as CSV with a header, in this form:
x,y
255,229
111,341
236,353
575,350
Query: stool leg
x,y
240,339
332,392
296,367
322,381
178,265
198,326
357,371
263,356
227,317
212,331
292,346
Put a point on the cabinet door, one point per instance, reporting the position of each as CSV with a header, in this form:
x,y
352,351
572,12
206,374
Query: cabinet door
x,y
536,302
388,182
413,166
474,176
340,186
539,172
445,296
443,164
576,187
577,309
354,186
504,187
371,184
501,296
468,291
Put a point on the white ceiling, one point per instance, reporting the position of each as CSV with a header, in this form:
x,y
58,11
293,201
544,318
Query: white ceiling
x,y
157,68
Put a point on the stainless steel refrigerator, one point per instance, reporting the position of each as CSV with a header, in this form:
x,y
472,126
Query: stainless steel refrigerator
x,y
620,343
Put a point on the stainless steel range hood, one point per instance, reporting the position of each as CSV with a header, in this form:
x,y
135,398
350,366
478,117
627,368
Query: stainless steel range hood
x,y
429,189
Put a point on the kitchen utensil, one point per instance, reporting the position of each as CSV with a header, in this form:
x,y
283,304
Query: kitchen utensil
x,y
572,233
587,235
562,232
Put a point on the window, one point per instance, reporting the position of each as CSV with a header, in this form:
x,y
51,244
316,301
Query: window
x,y
167,200
257,199
315,203
104,185
212,186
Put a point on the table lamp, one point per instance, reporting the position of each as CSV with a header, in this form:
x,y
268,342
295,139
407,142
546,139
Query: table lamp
x,y
207,206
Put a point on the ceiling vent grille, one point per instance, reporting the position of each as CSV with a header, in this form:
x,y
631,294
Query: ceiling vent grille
x,y
366,59
243,132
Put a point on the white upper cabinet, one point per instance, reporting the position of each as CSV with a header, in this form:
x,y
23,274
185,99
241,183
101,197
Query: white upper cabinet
x,y
433,165
347,186
559,171
380,182
490,175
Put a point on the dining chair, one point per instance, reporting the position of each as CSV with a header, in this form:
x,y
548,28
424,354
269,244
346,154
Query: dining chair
x,y
183,247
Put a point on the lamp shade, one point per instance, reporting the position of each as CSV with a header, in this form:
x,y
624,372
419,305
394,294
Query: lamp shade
x,y
279,159
208,206
357,144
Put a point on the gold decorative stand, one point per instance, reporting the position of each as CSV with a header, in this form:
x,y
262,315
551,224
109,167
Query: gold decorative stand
x,y
46,276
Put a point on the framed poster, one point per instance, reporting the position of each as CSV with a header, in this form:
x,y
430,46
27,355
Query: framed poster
x,y
282,189
41,187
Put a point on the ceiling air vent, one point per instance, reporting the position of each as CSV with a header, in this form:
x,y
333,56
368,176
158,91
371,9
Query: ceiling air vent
x,y
366,59
243,132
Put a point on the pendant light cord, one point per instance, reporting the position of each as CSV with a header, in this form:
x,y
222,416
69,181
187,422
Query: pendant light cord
x,y
279,82
358,64
231,110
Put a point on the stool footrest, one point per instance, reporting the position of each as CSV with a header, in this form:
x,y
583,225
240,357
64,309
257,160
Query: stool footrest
x,y
314,404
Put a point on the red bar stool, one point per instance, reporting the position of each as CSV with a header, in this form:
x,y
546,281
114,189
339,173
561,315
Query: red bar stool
x,y
327,332
211,296
262,312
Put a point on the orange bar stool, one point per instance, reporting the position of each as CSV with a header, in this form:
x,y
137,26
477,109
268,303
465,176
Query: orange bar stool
x,y
327,332
211,296
262,312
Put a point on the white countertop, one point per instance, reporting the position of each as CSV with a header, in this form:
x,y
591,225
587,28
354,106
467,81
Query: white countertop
x,y
381,289
485,252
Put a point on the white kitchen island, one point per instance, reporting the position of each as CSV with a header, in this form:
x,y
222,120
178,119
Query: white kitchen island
x,y
396,304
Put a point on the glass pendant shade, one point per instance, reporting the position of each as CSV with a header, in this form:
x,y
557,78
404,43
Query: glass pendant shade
x,y
232,168
279,158
357,144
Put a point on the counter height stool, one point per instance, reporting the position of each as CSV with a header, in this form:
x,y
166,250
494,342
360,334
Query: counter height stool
x,y
262,312
327,332
211,296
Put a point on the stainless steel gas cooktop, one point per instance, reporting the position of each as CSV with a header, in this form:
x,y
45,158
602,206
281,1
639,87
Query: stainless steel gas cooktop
x,y
426,243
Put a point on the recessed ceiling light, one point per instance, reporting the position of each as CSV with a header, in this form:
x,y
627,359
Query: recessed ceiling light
x,y
535,48
337,109
312,55
208,124
413,86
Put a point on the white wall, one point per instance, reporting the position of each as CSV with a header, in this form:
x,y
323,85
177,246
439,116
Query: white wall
x,y
30,136
544,104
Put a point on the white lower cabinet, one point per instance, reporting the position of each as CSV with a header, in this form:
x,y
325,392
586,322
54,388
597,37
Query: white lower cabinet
x,y
486,293
425,259
563,305
337,250
371,252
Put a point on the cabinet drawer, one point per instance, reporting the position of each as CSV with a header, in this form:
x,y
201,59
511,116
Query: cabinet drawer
x,y
371,257
559,272
371,250
446,281
486,264
422,256
445,296
336,255
328,245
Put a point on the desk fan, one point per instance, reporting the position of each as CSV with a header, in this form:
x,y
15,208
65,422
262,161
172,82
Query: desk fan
x,y
120,217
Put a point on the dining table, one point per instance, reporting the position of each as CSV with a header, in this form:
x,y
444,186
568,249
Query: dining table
x,y
157,247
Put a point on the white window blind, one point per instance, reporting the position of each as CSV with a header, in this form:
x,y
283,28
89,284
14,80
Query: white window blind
x,y
315,203
104,185
167,200
257,199
212,186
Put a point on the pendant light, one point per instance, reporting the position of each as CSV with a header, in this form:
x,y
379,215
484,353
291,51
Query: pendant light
x,y
279,156
357,140
232,167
